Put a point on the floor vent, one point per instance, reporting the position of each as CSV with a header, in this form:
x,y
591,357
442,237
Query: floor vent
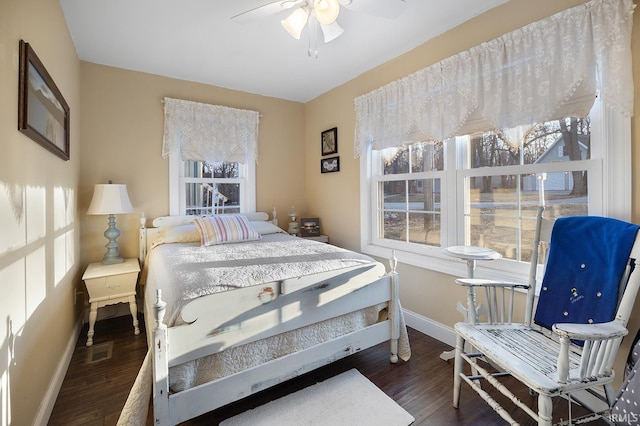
x,y
97,353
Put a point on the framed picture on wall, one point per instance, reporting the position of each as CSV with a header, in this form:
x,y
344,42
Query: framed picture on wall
x,y
43,114
330,165
329,141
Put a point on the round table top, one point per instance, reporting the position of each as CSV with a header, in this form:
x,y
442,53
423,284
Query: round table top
x,y
471,252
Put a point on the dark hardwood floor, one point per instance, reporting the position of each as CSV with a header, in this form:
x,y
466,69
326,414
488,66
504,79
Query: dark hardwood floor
x,y
98,382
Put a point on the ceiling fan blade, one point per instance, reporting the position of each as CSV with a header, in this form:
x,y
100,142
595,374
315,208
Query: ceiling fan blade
x,y
265,10
383,8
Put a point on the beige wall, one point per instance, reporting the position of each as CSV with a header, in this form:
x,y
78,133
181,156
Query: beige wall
x,y
336,196
39,226
122,139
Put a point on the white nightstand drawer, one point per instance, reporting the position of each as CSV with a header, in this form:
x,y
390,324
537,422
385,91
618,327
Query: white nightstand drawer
x,y
111,287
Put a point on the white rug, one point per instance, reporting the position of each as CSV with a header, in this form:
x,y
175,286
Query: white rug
x,y
346,399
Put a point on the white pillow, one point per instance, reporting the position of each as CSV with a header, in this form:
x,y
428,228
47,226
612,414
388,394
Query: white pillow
x,y
265,228
227,228
182,234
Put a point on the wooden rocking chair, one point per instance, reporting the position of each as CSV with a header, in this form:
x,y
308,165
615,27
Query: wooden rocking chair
x,y
568,348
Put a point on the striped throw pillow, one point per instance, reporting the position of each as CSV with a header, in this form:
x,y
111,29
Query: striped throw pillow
x,y
228,228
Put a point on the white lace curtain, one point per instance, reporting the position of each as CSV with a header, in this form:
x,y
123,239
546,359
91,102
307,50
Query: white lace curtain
x,y
547,70
211,133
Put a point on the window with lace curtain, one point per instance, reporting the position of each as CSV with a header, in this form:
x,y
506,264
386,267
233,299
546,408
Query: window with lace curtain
x,y
497,186
464,152
212,152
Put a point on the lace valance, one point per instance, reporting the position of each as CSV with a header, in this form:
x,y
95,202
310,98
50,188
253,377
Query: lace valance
x,y
211,133
547,70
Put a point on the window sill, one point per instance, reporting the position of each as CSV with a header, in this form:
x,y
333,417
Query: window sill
x,y
435,260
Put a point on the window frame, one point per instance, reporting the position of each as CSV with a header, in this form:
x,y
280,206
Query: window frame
x,y
609,195
247,181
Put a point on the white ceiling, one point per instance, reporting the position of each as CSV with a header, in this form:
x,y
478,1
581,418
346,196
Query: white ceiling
x,y
196,40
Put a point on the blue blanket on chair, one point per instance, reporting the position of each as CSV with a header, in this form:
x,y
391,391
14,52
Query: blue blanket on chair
x,y
587,259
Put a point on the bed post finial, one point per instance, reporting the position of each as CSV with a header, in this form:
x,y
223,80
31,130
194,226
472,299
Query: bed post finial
x,y
158,309
393,262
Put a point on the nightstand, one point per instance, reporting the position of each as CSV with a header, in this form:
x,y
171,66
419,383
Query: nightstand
x,y
320,238
111,284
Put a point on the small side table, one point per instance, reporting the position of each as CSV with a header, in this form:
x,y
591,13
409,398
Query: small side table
x,y
321,238
111,284
471,254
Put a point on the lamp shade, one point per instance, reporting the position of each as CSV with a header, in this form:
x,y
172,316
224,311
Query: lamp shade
x,y
295,23
110,199
331,31
326,11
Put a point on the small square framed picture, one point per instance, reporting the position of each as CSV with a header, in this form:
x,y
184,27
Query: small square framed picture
x,y
330,165
310,227
329,141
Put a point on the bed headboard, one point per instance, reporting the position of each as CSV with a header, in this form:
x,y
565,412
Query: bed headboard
x,y
162,223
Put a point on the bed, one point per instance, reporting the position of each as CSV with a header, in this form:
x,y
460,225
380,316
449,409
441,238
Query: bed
x,y
235,317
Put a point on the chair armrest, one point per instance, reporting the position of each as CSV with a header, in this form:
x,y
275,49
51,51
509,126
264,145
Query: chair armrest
x,y
601,342
602,331
478,282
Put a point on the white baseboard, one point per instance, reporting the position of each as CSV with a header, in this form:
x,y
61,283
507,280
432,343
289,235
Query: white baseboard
x,y
430,327
50,396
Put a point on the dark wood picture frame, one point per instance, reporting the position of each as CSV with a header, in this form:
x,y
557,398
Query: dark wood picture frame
x,y
310,227
329,141
43,114
330,165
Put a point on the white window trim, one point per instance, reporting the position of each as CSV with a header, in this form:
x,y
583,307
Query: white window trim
x,y
247,180
612,132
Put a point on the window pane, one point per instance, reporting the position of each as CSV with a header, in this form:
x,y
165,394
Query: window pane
x,y
415,158
229,197
225,170
395,226
394,195
209,195
393,208
502,208
559,140
411,211
424,228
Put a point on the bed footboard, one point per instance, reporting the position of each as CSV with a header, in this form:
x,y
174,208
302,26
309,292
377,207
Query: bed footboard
x,y
205,335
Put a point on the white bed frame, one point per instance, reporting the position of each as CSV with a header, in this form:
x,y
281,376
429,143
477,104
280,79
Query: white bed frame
x,y
265,310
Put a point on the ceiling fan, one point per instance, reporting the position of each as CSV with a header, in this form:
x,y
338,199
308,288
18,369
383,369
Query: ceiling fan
x,y
318,12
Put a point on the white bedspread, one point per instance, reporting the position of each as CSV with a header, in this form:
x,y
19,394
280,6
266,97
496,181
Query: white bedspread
x,y
185,271
180,269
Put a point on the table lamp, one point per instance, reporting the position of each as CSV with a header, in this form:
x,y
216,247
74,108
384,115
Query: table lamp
x,y
293,225
111,199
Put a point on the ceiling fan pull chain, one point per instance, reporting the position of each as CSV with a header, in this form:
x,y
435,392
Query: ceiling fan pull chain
x,y
313,32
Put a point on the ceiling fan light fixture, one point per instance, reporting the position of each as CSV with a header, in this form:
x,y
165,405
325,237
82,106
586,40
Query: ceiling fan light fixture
x,y
294,23
331,31
326,11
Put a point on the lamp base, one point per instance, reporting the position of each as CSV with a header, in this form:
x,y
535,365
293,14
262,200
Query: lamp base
x,y
293,228
112,261
113,254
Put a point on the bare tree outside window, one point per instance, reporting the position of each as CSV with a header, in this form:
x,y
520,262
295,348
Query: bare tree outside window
x,y
501,205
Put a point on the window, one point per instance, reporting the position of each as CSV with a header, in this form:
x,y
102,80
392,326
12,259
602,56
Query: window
x,y
198,187
212,152
488,183
482,190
